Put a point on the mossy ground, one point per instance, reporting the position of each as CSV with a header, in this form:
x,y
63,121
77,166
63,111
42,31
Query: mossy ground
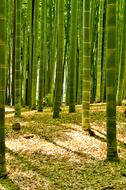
x,y
59,155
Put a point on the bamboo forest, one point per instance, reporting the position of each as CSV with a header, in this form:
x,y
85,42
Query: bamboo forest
x,y
62,94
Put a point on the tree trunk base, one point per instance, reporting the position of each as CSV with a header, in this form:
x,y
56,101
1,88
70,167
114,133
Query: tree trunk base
x,y
3,172
112,159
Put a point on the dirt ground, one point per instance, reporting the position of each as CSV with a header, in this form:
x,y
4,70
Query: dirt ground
x,y
56,154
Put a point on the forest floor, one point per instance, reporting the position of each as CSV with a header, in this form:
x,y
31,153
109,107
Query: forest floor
x,y
55,154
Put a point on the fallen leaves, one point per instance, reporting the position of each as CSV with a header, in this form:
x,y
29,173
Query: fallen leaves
x,y
57,154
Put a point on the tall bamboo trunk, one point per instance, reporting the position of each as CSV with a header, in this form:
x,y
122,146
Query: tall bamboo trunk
x,y
2,85
43,55
122,64
13,54
80,38
59,66
18,60
72,56
86,65
111,81
30,51
100,44
35,54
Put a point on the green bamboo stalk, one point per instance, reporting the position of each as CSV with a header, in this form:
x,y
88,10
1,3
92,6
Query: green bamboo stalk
x,y
2,86
66,58
9,52
103,83
50,37
25,58
99,64
94,47
122,64
53,55
14,52
18,61
72,56
110,81
35,54
80,38
30,51
43,54
119,33
59,69
86,67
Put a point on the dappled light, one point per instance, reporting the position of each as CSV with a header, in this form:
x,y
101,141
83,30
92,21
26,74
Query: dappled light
x,y
58,154
62,95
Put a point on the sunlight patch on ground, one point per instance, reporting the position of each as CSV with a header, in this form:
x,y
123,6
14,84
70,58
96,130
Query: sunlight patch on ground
x,y
81,142
121,135
60,155
35,144
77,142
2,188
